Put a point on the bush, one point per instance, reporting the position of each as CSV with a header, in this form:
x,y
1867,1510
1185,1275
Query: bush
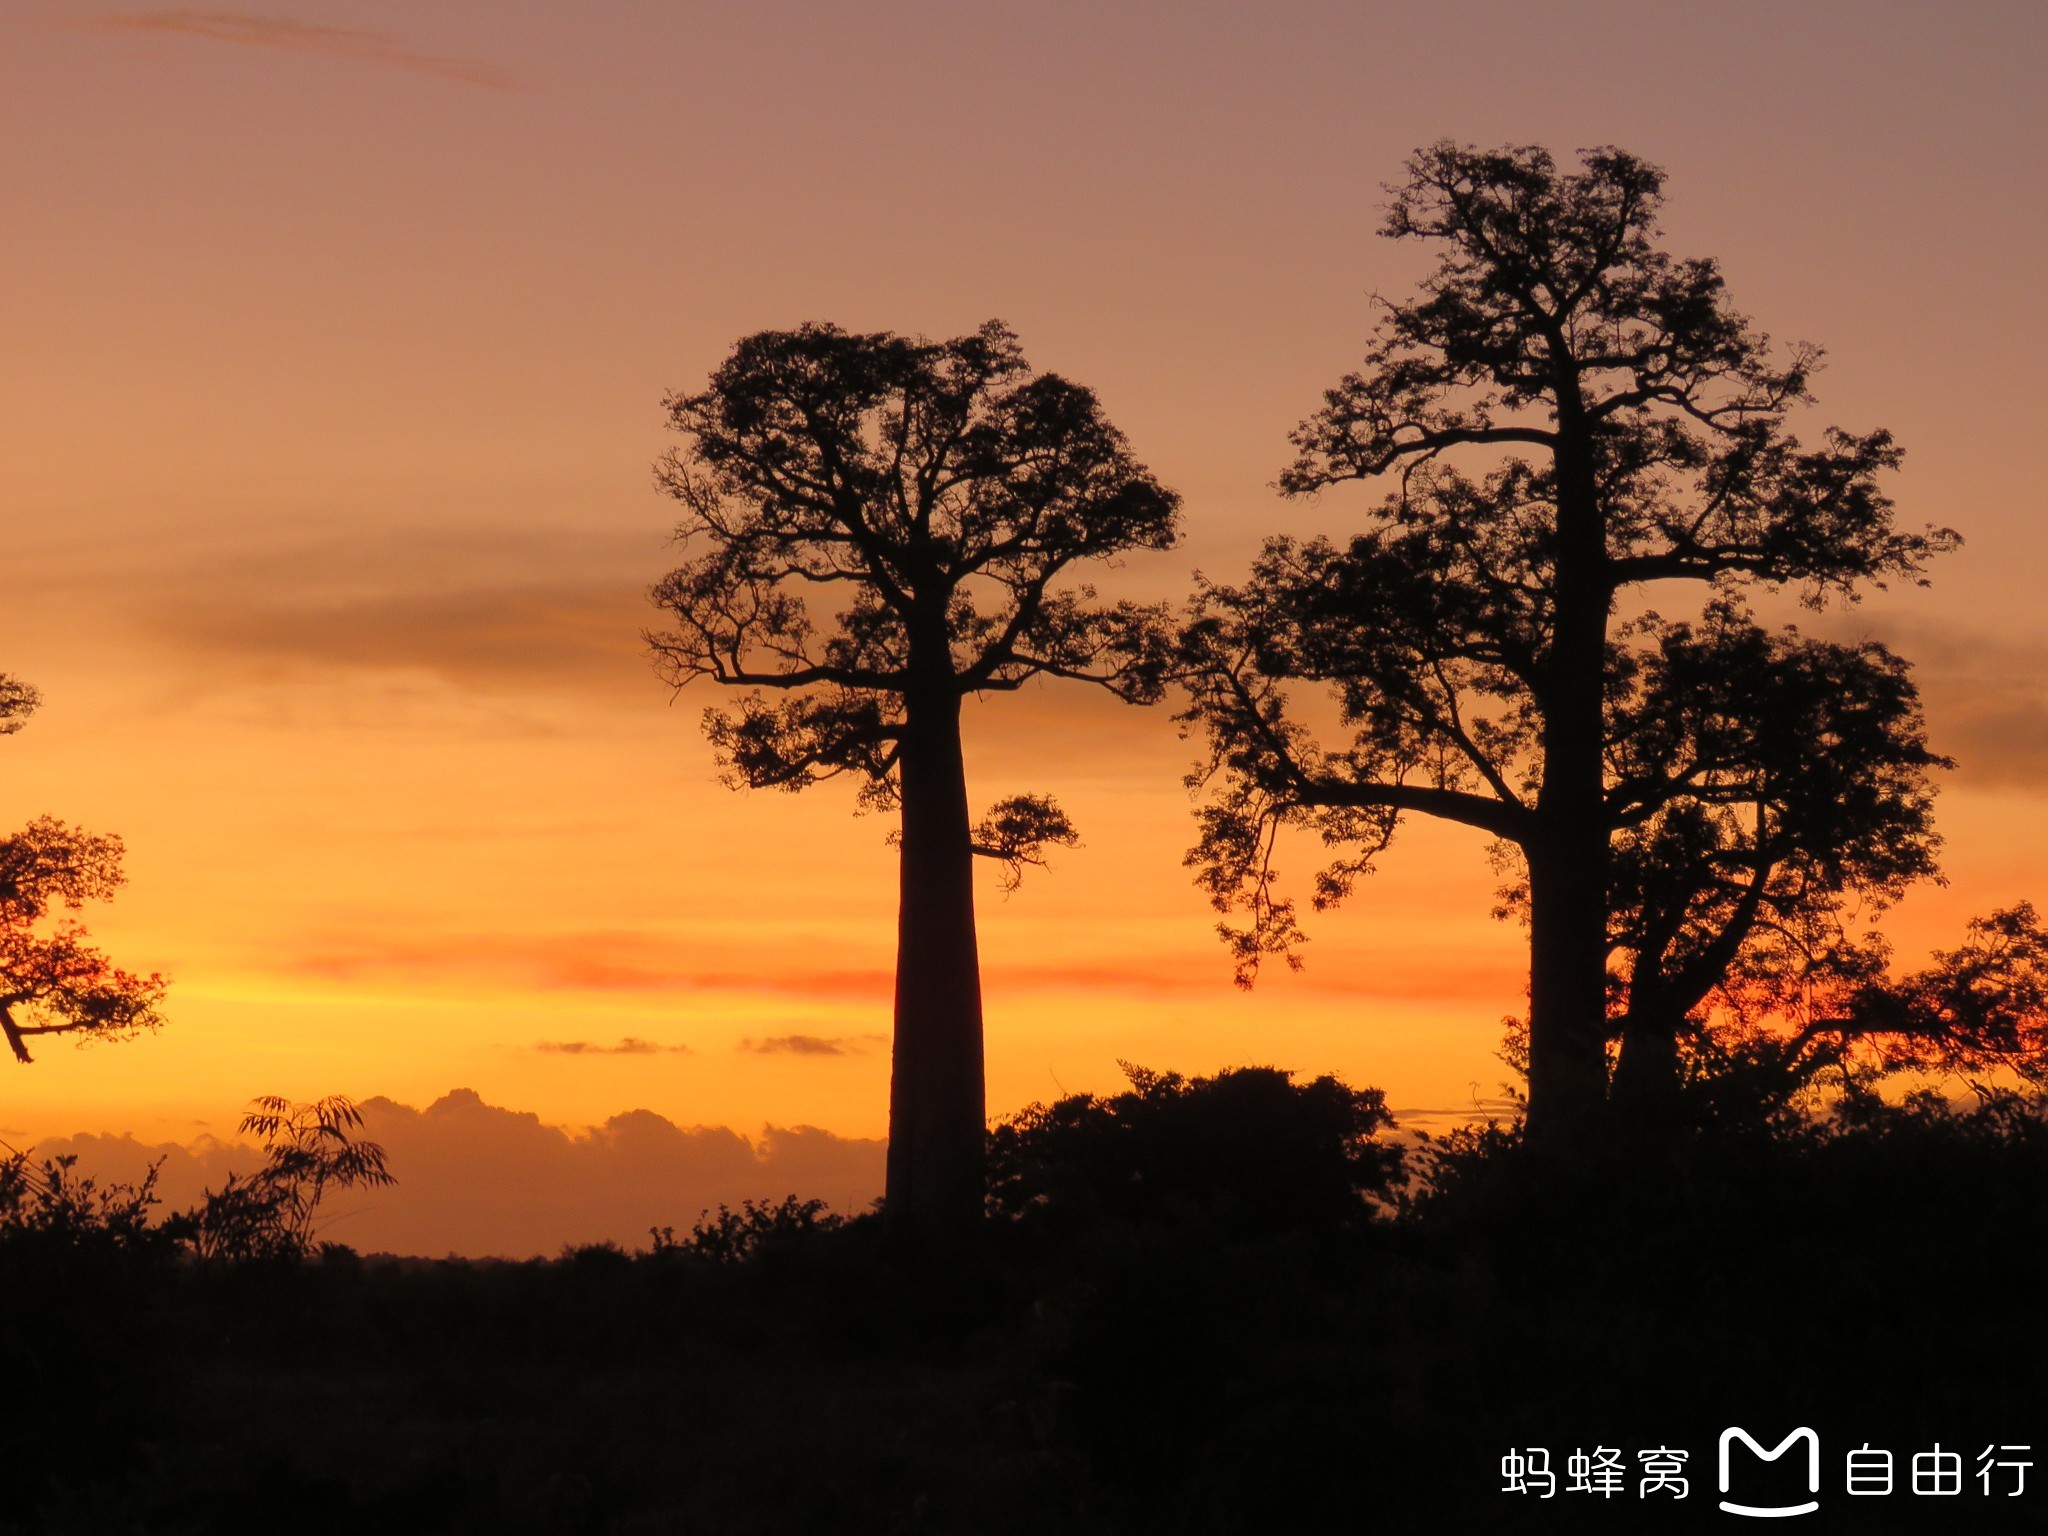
x,y
1249,1149
758,1226
49,1204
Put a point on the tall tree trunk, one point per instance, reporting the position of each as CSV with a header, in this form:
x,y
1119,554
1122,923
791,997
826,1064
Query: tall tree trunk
x,y
937,1108
1568,856
1567,997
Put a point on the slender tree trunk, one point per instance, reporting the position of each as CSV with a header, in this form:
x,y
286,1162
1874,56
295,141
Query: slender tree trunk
x,y
1646,1075
937,1109
1568,856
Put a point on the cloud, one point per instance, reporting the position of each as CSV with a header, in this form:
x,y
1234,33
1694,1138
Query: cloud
x,y
388,600
304,37
814,1045
1986,696
571,635
480,1180
626,1047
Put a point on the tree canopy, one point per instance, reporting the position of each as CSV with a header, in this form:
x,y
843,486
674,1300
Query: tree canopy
x,y
942,490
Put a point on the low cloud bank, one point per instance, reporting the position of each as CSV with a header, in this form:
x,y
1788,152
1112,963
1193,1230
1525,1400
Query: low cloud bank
x,y
478,1180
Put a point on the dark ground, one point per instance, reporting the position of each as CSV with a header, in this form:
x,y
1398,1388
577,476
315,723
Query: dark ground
x,y
1186,1363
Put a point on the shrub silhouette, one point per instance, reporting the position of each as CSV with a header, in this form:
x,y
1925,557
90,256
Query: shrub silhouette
x,y
1248,1148
266,1214
734,1237
52,980
48,1204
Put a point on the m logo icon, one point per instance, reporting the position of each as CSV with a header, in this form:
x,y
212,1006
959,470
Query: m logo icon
x,y
1774,1511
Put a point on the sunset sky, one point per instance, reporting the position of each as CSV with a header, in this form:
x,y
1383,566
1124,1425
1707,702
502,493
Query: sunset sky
x,y
336,335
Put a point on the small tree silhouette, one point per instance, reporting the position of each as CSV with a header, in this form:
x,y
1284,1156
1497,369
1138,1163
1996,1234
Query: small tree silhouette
x,y
52,981
270,1214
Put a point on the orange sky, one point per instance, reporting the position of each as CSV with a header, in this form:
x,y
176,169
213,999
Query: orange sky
x,y
330,383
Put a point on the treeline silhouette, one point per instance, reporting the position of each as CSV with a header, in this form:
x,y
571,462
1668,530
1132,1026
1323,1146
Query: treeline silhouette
x,y
1214,1304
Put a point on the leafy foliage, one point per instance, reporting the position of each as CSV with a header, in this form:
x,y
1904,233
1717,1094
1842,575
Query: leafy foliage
x,y
1017,831
1975,1012
1179,1367
17,702
52,979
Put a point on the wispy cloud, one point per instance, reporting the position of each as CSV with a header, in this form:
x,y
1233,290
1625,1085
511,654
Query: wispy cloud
x,y
630,1046
575,636
305,37
661,964
583,961
814,1045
